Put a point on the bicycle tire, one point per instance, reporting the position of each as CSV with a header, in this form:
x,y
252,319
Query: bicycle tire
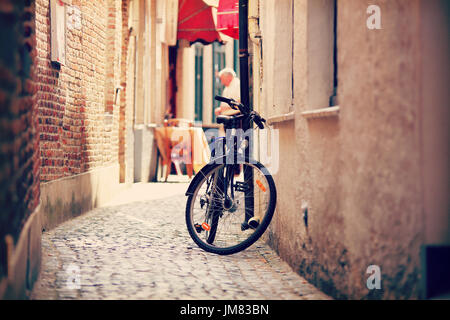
x,y
258,232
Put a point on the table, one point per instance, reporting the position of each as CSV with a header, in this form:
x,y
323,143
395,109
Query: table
x,y
186,145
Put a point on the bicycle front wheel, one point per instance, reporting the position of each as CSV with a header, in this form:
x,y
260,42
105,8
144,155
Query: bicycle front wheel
x,y
231,207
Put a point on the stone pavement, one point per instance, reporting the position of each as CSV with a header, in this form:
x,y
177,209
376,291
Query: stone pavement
x,y
138,247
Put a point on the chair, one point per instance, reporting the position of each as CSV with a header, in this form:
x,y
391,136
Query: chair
x,y
165,141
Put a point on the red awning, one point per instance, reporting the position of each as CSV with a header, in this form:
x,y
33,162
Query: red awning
x,y
196,22
228,18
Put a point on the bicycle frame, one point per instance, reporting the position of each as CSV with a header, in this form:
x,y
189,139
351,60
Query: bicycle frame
x,y
230,189
227,175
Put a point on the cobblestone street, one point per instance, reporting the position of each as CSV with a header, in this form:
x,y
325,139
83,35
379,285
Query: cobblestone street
x,y
137,247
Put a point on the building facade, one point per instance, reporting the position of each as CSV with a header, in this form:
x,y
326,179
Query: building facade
x,y
362,117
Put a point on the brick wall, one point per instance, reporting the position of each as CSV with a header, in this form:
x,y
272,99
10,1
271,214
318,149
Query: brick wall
x,y
77,121
58,120
19,143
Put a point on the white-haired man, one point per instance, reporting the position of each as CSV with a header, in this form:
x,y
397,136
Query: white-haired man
x,y
232,90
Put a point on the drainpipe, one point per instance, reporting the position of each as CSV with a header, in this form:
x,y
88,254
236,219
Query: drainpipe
x,y
243,51
245,99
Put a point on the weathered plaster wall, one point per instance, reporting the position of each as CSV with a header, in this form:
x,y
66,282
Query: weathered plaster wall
x,y
66,198
360,174
379,89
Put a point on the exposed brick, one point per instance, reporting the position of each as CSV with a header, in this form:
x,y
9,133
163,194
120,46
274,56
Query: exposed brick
x,y
73,98
19,142
52,118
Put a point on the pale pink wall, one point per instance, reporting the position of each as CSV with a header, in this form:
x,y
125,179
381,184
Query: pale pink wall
x,y
368,176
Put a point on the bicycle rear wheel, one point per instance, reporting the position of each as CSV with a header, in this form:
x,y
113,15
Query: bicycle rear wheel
x,y
225,221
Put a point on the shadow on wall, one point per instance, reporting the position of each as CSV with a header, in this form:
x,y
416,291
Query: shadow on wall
x,y
19,152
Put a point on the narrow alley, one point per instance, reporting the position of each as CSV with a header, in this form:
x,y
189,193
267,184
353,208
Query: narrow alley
x,y
108,109
137,247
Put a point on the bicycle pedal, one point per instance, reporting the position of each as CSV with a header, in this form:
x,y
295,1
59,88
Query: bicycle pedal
x,y
198,228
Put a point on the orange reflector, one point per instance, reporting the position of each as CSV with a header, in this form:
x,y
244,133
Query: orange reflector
x,y
206,226
260,185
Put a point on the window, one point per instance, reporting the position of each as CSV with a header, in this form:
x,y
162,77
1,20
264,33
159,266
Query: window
x,y
276,23
333,98
218,64
58,31
198,82
236,57
322,53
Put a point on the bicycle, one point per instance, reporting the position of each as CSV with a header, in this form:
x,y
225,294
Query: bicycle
x,y
232,199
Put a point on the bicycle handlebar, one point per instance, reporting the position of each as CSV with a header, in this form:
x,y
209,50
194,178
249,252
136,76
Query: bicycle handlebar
x,y
253,114
258,119
223,99
232,103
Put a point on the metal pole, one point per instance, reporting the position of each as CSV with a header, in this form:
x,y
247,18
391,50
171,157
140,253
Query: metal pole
x,y
243,52
245,100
